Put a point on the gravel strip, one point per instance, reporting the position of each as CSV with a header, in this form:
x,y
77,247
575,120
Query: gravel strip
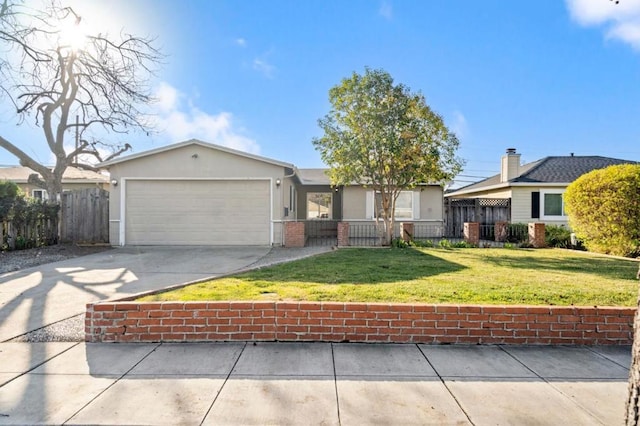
x,y
69,330
20,259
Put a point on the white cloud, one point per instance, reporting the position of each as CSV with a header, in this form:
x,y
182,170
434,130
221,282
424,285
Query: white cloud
x,y
621,20
386,10
265,68
166,97
180,122
241,42
459,125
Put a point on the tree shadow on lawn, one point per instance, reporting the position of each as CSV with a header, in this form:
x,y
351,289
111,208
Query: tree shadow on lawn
x,y
358,266
606,267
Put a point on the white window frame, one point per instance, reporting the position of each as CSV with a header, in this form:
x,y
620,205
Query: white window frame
x,y
542,201
415,205
43,194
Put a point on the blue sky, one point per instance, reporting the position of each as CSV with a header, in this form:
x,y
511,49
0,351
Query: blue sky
x,y
546,77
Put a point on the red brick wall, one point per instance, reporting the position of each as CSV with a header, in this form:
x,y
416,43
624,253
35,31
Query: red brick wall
x,y
294,234
343,234
356,322
536,235
471,232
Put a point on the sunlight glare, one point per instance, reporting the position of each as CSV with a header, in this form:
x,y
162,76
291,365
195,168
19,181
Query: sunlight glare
x,y
73,34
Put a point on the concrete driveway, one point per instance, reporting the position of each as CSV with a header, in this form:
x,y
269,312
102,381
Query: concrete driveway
x,y
38,296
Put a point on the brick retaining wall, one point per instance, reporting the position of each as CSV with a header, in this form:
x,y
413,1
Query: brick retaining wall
x,y
356,322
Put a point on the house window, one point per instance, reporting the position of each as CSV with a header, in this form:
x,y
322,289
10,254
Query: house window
x,y
552,204
319,205
39,194
292,198
404,205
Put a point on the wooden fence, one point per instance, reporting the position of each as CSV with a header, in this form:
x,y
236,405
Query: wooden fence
x,y
486,211
85,216
29,233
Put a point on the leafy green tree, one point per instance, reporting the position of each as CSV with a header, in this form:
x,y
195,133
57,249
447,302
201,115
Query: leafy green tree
x,y
604,209
384,136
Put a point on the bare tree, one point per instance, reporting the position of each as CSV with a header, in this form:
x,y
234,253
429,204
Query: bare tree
x,y
52,73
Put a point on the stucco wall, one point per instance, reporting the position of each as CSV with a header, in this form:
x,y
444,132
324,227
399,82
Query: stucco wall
x,y
196,162
354,204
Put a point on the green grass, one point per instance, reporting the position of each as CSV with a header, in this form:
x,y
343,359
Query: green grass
x,y
470,276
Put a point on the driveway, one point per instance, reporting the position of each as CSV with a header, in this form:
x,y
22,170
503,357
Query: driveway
x,y
38,296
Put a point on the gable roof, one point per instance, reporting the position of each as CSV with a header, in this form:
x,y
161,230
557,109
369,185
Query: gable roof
x,y
314,177
548,170
20,174
194,142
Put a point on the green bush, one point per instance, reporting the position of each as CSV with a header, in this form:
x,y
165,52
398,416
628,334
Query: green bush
x,y
557,236
399,243
445,244
422,243
25,215
604,209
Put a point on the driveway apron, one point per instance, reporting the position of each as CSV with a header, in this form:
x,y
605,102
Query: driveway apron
x,y
38,296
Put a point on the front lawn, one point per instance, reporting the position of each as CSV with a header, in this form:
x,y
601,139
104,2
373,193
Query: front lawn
x,y
471,276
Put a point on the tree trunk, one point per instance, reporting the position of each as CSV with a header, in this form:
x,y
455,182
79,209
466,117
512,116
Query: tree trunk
x,y
633,401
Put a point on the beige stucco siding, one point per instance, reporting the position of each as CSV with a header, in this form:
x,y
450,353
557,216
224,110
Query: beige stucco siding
x,y
214,168
354,203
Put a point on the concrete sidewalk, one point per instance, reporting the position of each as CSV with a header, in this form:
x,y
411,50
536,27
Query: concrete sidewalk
x,y
310,383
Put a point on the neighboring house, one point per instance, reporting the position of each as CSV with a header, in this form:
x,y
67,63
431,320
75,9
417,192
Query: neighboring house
x,y
196,193
72,179
536,189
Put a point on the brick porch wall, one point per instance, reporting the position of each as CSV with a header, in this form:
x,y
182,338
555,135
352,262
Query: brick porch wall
x,y
356,322
294,234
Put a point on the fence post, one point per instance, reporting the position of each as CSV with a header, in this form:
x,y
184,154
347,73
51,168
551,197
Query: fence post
x,y
536,235
500,231
472,232
406,231
294,234
343,234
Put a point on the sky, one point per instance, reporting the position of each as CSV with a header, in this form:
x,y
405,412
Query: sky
x,y
546,77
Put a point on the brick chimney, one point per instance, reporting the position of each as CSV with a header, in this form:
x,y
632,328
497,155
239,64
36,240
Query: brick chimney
x,y
510,165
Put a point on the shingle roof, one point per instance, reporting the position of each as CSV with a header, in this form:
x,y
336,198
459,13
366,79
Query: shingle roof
x,y
566,169
549,170
314,176
21,174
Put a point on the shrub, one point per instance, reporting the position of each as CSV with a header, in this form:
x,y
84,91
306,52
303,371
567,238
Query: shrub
x,y
399,243
557,236
422,243
604,209
446,244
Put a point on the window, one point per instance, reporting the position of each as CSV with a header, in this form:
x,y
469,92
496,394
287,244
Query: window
x,y
39,194
319,205
292,198
406,205
552,204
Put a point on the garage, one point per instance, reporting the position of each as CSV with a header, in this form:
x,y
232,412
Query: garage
x,y
197,212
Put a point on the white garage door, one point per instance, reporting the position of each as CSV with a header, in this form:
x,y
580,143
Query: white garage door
x,y
197,212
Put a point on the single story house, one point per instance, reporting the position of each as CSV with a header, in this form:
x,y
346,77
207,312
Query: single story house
x,y
536,189
73,178
197,193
